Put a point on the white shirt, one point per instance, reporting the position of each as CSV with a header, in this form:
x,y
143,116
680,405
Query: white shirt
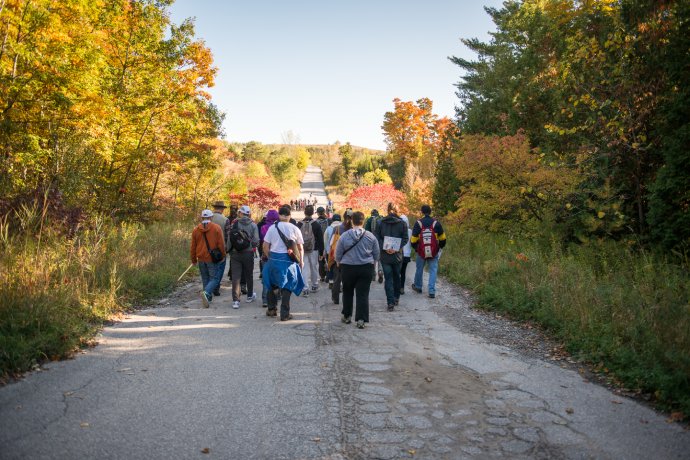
x,y
290,231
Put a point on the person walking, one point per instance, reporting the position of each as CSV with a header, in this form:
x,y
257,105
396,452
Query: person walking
x,y
219,219
283,270
270,219
392,236
243,239
207,251
428,239
329,250
371,224
356,254
312,234
407,253
337,275
323,222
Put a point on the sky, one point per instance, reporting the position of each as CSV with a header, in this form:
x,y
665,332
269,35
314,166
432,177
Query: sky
x,y
328,71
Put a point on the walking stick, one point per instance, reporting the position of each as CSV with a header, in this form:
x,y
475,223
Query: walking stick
x,y
185,272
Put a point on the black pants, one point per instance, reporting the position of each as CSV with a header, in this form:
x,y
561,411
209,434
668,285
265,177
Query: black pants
x,y
337,280
356,278
403,269
322,269
284,301
242,266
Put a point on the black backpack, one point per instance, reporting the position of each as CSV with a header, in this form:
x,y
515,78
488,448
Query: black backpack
x,y
239,240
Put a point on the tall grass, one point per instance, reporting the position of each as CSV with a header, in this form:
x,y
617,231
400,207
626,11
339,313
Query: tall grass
x,y
56,291
626,311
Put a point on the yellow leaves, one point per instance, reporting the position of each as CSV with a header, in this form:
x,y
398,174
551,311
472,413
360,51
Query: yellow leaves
x,y
601,214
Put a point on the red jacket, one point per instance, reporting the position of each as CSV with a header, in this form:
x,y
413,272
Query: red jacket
x,y
214,235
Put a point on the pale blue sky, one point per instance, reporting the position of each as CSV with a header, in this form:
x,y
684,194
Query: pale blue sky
x,y
327,70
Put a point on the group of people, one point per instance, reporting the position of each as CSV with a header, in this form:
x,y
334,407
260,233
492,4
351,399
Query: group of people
x,y
348,252
300,203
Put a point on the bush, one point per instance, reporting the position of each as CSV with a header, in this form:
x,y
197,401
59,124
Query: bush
x,y
624,311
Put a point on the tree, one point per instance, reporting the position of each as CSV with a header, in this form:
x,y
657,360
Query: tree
x,y
346,159
413,133
374,197
508,188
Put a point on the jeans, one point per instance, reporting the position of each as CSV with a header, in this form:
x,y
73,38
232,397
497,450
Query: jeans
x,y
403,270
211,275
242,265
311,268
220,266
391,274
356,278
419,273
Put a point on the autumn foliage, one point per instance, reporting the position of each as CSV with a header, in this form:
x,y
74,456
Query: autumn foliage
x,y
374,197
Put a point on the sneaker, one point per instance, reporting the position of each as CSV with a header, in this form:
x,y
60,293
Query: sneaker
x,y
402,290
416,289
251,298
264,305
346,319
330,285
272,312
432,296
314,288
236,304
360,324
216,293
391,307
204,299
397,302
380,276
285,318
243,289
305,293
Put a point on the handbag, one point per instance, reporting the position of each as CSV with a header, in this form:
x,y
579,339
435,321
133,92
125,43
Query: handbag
x,y
216,254
291,245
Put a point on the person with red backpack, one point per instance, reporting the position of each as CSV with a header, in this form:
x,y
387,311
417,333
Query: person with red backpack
x,y
427,239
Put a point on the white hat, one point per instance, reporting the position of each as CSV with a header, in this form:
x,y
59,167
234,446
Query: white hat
x,y
206,213
245,210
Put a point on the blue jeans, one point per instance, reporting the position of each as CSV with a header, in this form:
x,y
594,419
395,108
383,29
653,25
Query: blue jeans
x,y
391,275
211,275
419,273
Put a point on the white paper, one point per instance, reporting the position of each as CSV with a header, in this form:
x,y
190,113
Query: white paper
x,y
391,242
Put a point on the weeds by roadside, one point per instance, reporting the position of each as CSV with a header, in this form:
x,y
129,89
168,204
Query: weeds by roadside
x,y
626,312
55,291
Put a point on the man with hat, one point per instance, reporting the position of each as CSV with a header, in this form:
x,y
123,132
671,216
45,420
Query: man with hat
x,y
207,239
219,219
243,238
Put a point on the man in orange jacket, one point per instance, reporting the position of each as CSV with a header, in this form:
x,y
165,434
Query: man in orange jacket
x,y
208,244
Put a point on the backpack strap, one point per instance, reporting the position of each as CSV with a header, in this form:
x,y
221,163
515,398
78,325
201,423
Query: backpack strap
x,y
356,243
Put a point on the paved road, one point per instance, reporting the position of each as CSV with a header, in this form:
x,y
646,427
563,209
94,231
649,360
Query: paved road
x,y
171,381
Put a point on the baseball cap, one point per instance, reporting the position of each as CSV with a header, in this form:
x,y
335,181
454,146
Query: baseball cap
x,y
206,213
245,210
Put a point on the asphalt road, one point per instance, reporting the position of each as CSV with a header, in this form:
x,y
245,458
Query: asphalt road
x,y
180,381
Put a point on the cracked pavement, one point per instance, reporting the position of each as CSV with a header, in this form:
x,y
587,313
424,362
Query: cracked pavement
x,y
172,381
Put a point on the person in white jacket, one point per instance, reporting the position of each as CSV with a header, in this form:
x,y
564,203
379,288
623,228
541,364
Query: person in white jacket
x,y
407,252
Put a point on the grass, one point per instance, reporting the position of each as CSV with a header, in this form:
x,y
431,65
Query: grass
x,y
56,293
625,311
